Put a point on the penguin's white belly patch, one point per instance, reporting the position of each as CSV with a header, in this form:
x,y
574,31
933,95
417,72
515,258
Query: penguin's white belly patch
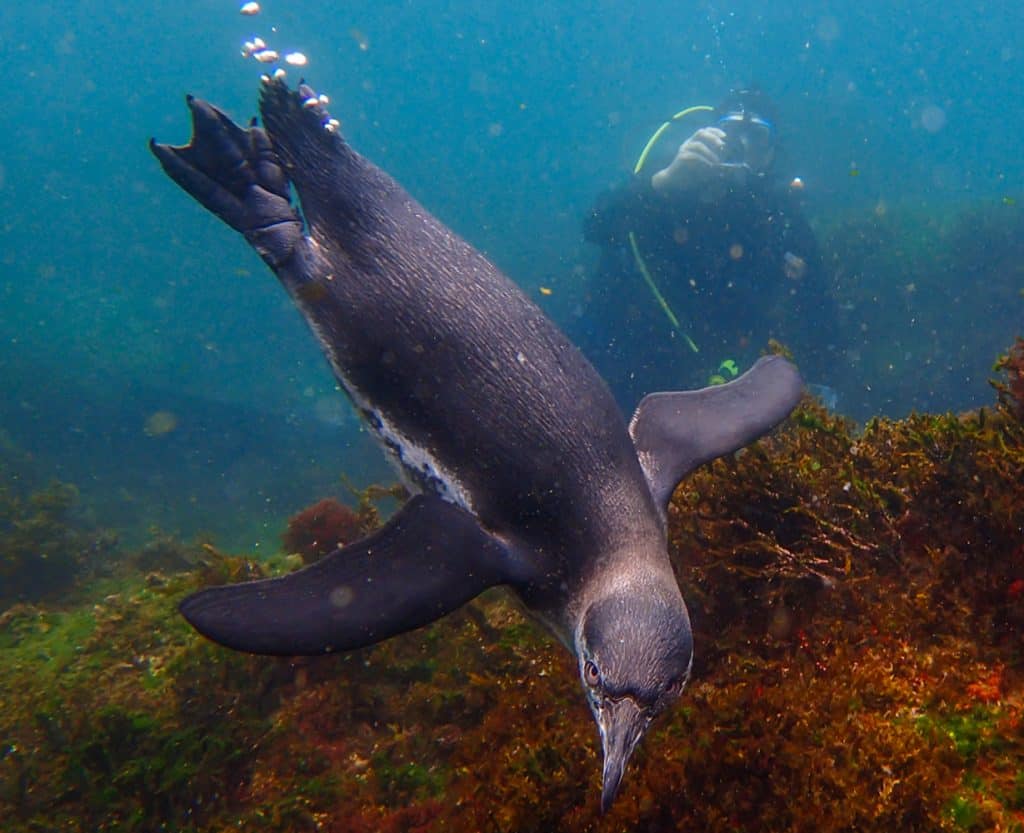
x,y
419,468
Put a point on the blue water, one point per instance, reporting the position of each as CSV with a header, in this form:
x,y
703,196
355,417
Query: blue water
x,y
121,298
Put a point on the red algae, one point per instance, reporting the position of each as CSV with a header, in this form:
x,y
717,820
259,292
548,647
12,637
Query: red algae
x,y
322,528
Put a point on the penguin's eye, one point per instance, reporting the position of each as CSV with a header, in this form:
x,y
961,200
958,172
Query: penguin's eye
x,y
590,673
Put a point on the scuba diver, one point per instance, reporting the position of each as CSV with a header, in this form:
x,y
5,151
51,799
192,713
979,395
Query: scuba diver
x,y
728,260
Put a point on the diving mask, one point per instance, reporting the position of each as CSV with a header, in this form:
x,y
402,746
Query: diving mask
x,y
749,141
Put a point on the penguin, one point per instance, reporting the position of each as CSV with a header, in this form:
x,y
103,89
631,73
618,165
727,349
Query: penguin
x,y
523,471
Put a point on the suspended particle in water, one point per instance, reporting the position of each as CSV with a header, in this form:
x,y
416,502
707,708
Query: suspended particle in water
x,y
341,596
160,423
361,40
794,267
933,118
249,9
827,29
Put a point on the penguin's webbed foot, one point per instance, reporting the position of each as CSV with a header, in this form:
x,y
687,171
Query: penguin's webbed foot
x,y
235,173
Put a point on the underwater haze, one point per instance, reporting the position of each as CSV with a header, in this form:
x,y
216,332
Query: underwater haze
x,y
150,358
855,578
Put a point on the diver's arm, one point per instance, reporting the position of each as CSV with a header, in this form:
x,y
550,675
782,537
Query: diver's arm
x,y
697,162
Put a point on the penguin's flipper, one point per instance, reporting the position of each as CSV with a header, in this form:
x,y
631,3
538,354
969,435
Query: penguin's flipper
x,y
429,559
674,433
234,172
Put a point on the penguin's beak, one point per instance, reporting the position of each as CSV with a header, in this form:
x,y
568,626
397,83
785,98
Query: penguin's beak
x,y
622,724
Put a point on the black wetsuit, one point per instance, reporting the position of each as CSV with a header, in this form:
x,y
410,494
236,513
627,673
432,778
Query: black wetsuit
x,y
737,268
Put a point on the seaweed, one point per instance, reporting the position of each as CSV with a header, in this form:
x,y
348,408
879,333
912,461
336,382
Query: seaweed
x,y
44,546
1011,391
321,528
858,602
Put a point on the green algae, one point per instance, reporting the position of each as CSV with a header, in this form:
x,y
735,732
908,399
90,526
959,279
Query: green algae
x,y
103,722
43,550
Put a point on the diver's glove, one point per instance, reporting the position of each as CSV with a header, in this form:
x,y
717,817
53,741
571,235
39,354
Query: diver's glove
x,y
698,162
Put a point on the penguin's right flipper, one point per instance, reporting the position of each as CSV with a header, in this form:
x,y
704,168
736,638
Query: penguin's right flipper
x,y
428,560
676,432
235,173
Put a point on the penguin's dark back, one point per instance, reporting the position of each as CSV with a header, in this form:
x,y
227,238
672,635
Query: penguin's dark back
x,y
435,341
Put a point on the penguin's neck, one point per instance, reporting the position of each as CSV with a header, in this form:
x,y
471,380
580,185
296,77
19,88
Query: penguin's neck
x,y
633,571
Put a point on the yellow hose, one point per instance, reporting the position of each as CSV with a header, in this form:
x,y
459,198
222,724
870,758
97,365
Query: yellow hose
x,y
697,108
641,265
657,293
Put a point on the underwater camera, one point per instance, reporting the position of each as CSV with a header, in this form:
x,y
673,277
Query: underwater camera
x,y
749,141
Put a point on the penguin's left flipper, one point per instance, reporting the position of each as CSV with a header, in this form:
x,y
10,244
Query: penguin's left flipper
x,y
675,433
428,560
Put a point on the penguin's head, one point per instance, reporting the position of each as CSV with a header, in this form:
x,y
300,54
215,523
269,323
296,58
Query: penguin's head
x,y
635,651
